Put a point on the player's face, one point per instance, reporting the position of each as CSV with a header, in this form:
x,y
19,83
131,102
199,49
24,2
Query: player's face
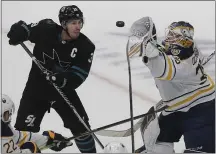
x,y
74,28
6,116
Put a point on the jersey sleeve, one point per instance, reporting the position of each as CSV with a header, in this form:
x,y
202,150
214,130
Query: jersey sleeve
x,y
78,72
20,137
11,142
42,30
162,67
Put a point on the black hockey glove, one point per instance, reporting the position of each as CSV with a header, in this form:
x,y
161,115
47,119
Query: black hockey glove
x,y
58,79
57,141
18,33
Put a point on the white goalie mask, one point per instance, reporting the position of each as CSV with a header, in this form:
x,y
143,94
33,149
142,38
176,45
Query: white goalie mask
x,y
179,33
115,147
7,109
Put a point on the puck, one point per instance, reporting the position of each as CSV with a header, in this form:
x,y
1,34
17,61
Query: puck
x,y
120,23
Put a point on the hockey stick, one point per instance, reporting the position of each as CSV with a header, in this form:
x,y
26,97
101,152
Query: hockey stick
x,y
131,98
117,123
111,125
139,32
60,92
127,132
208,58
121,133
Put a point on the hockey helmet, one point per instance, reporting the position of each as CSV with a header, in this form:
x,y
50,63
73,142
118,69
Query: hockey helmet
x,y
7,109
115,147
68,13
179,34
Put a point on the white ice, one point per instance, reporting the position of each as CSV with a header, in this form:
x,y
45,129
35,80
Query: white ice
x,y
105,92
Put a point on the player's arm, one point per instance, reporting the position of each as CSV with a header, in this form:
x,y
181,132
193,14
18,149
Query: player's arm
x,y
161,65
34,32
34,141
74,76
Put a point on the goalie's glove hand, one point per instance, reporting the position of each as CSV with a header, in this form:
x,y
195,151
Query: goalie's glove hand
x,y
150,51
57,141
18,33
58,79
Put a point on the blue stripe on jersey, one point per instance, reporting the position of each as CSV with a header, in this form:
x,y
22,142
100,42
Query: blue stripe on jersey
x,y
85,142
174,69
165,67
167,101
80,75
30,136
190,103
79,69
18,138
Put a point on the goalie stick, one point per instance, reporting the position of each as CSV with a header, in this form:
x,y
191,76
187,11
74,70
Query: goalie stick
x,y
127,132
114,124
208,58
140,30
60,92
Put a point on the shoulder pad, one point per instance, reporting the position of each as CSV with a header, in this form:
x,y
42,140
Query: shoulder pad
x,y
47,21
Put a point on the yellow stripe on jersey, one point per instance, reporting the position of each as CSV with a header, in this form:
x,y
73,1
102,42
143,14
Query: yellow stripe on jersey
x,y
169,70
211,86
23,140
134,50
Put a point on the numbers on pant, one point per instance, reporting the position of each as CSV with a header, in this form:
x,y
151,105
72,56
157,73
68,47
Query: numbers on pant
x,y
203,77
10,146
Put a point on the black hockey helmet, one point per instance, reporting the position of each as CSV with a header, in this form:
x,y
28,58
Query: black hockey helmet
x,y
70,12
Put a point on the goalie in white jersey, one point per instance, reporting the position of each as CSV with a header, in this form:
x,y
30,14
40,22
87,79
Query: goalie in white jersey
x,y
184,87
14,141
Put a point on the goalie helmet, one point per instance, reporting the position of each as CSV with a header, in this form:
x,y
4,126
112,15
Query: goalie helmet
x,y
68,13
179,39
115,147
179,33
7,109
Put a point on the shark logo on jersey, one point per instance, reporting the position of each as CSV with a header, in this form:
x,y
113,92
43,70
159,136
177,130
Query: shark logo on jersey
x,y
53,63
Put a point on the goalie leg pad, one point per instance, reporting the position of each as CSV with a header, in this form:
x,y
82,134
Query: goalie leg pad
x,y
163,147
150,130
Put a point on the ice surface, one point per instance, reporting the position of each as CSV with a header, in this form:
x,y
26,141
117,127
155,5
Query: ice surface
x,y
105,92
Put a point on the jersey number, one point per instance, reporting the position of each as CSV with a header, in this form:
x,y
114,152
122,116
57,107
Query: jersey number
x,y
90,59
10,146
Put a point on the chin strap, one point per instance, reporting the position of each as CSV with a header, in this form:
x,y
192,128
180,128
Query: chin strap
x,y
66,30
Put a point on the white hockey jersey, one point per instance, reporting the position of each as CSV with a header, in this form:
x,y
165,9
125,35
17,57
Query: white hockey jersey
x,y
182,84
12,139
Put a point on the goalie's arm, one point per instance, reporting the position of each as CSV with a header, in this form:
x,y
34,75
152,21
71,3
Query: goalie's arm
x,y
20,137
161,66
